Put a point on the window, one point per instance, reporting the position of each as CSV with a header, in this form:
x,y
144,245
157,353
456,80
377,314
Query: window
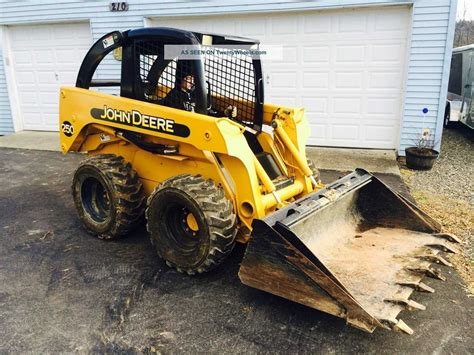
x,y
455,76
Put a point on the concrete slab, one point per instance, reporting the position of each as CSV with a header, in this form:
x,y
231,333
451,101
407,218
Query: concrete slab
x,y
344,159
32,140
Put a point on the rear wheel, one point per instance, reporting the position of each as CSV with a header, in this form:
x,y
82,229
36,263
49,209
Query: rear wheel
x,y
191,223
108,195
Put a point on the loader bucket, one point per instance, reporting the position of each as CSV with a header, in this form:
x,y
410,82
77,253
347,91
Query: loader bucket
x,y
356,249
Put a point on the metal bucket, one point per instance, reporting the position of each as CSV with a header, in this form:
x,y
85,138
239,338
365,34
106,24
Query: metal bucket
x,y
355,249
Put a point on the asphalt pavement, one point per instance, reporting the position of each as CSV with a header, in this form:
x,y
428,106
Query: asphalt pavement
x,y
62,290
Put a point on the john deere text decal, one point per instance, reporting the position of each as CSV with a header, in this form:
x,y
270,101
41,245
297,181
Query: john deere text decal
x,y
137,119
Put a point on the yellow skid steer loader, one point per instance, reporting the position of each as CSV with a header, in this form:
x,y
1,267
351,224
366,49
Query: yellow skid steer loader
x,y
187,141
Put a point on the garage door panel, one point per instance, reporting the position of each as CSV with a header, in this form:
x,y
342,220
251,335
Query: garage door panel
x,y
386,53
380,134
284,79
254,27
50,118
68,78
198,26
31,99
224,26
345,105
344,132
47,77
317,23
45,57
21,36
315,80
353,21
349,80
284,25
41,34
290,57
318,131
316,54
349,54
380,120
284,100
60,34
26,77
32,117
66,56
382,106
316,105
49,98
385,80
395,20
23,57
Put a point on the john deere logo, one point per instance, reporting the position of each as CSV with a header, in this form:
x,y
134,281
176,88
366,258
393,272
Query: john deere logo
x,y
140,120
67,128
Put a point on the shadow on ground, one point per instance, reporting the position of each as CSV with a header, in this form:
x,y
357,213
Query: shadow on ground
x,y
63,290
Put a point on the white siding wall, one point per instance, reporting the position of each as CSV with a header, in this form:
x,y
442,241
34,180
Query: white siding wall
x,y
429,52
428,69
6,122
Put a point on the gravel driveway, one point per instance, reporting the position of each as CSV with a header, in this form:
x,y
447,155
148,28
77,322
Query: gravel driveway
x,y
447,192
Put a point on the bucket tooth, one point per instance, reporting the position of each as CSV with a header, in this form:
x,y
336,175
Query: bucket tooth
x,y
448,236
397,325
435,258
388,323
444,246
418,286
409,304
402,327
428,271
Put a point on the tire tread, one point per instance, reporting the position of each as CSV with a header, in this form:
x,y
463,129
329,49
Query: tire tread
x,y
218,213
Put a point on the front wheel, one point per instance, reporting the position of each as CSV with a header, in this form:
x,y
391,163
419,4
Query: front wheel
x,y
191,223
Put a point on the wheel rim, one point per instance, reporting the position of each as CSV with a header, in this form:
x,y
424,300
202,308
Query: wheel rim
x,y
182,230
95,199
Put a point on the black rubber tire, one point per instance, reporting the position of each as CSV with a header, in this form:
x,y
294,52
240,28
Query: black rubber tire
x,y
187,251
108,195
316,173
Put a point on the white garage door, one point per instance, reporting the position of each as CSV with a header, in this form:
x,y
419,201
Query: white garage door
x,y
346,67
44,57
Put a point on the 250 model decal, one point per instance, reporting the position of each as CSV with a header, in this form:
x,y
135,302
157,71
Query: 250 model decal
x,y
137,119
67,128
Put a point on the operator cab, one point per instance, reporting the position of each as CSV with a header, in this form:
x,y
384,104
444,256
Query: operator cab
x,y
153,65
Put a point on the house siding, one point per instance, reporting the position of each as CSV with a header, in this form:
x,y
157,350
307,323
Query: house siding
x,y
427,69
6,122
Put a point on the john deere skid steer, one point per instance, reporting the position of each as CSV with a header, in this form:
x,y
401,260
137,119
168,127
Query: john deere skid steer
x,y
221,166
